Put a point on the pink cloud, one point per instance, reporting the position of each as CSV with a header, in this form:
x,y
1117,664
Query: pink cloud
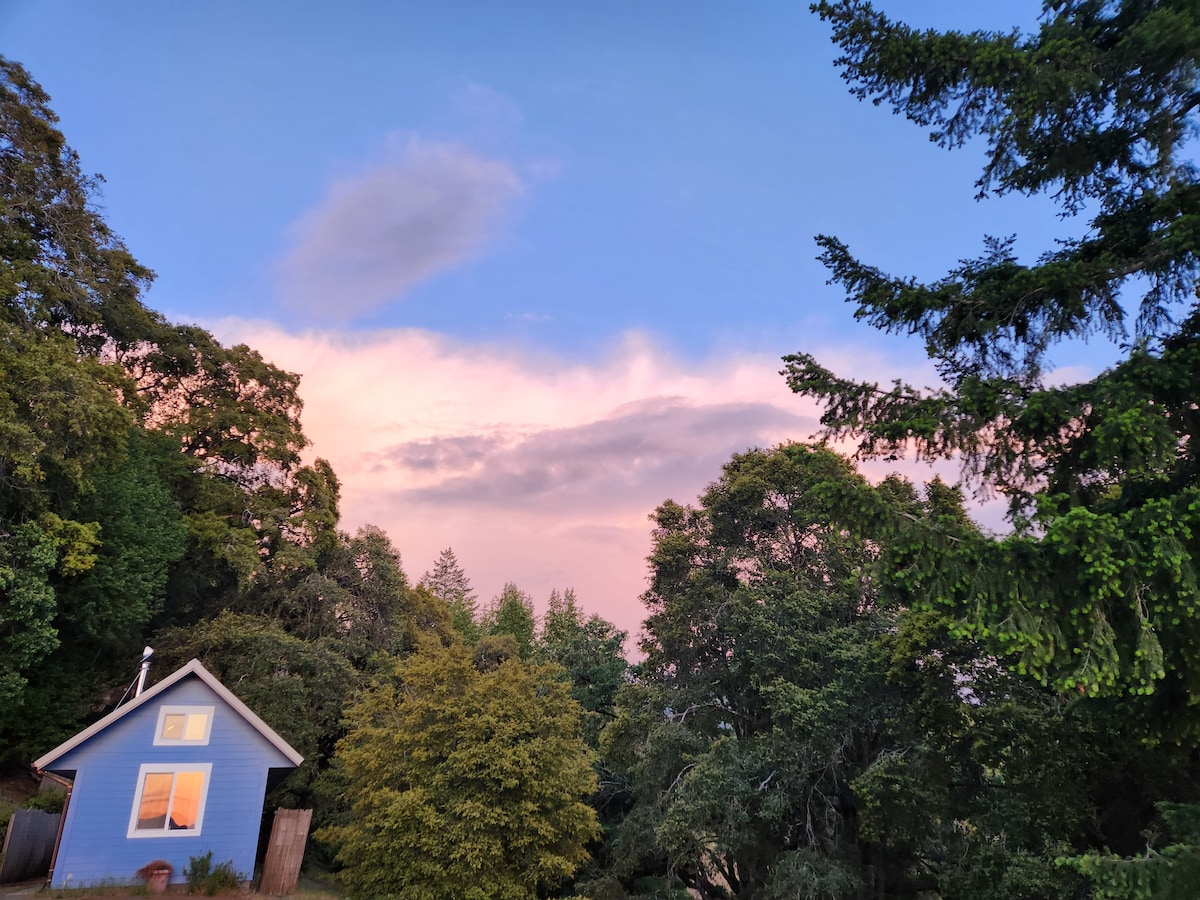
x,y
534,469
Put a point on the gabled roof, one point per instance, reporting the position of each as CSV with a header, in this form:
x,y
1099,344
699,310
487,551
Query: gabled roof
x,y
192,668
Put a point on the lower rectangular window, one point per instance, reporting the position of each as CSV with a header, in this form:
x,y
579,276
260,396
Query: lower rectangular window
x,y
169,800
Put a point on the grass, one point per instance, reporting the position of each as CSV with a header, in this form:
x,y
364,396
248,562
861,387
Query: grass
x,y
307,890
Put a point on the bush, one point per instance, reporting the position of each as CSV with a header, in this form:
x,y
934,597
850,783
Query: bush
x,y
203,876
463,784
6,811
47,801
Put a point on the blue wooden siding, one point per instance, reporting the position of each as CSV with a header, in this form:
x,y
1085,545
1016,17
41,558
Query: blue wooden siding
x,y
95,847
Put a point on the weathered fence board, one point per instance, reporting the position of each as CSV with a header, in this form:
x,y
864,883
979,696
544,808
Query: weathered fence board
x,y
29,844
285,851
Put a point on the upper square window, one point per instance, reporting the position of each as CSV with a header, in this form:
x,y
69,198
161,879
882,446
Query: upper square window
x,y
182,725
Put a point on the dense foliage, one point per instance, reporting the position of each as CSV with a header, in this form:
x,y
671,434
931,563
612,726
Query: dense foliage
x,y
846,690
761,697
1095,590
147,474
151,491
797,732
1100,108
463,783
590,650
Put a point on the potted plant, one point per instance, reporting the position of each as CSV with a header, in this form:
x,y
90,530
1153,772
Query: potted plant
x,y
157,875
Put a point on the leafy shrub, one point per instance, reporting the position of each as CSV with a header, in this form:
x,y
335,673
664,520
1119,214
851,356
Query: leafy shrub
x,y
203,876
47,801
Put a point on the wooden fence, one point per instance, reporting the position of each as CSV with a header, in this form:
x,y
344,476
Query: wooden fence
x,y
29,845
285,851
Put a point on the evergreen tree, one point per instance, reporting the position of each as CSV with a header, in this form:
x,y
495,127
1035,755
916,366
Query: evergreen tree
x,y
590,651
449,583
511,612
563,617
1097,588
464,784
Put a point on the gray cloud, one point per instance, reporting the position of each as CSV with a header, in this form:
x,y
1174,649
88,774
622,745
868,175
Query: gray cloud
x,y
442,454
430,207
642,454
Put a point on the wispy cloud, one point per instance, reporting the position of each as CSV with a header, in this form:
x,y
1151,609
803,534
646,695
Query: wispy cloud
x,y
429,206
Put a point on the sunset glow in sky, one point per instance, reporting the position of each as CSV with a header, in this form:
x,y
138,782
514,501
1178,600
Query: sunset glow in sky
x,y
536,261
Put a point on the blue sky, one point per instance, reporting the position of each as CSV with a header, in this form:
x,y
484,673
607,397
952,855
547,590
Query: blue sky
x,y
676,157
544,255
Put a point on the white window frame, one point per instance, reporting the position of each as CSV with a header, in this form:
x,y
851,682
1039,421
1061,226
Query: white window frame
x,y
164,711
168,769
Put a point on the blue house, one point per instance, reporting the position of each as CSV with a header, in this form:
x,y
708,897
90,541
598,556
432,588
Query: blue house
x,y
179,770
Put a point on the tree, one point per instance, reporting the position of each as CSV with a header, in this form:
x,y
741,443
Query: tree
x,y
298,687
511,612
590,652
62,266
143,466
142,535
762,693
61,427
449,583
379,612
462,783
797,732
989,778
101,613
1096,589
91,532
63,271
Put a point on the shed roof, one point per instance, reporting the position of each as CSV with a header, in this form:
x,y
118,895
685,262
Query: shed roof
x,y
192,668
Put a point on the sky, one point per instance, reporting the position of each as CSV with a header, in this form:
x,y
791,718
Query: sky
x,y
536,261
